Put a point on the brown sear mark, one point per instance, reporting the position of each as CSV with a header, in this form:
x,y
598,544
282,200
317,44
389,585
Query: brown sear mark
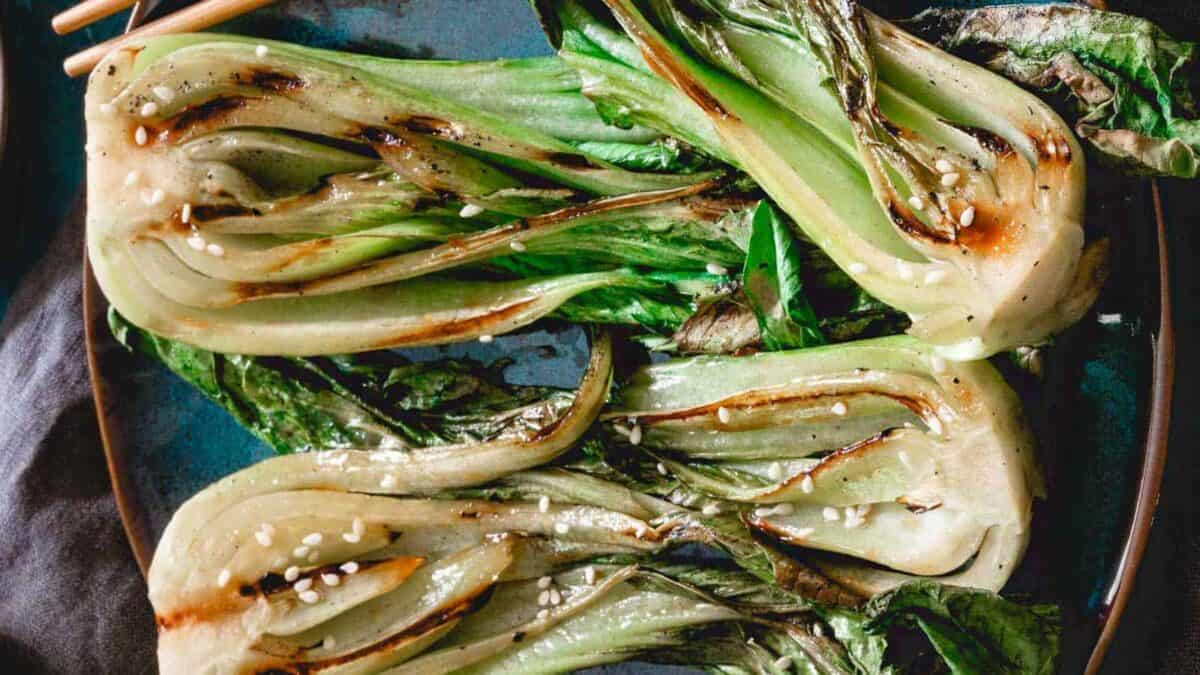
x,y
202,212
270,79
571,160
435,126
917,508
301,250
988,140
758,399
209,111
993,232
911,225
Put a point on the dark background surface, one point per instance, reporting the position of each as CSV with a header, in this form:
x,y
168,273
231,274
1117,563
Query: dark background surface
x,y
72,600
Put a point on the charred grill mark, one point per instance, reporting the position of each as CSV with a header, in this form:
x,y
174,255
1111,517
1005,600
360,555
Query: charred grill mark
x,y
839,456
757,399
202,212
917,508
911,225
571,160
988,140
379,136
273,80
459,328
207,112
434,126
301,250
794,576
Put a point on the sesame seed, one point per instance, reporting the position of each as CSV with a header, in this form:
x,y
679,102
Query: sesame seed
x,y
300,551
185,213
806,484
107,108
329,642
968,216
543,503
639,531
349,567
264,538
818,630
937,363
662,468
261,51
830,514
149,108
486,339
775,471
635,435
838,408
1108,319
714,268
764,512
903,457
314,556
589,575
857,268
783,662
711,509
223,578
935,425
313,539
388,481
196,242
943,166
165,94
133,177
215,250
784,509
544,582
351,537
331,579
470,211
950,179
904,270
723,415
303,585
291,574
555,597
357,526
543,598
140,136
1051,148
310,597
562,528
517,246
934,276
803,533
542,614
916,202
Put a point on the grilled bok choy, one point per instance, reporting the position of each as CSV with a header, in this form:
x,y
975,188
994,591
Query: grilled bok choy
x,y
274,199
900,462
943,189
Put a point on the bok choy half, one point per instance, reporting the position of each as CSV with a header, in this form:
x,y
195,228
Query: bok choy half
x,y
943,189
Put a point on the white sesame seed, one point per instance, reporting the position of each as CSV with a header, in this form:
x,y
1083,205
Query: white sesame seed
x,y
857,268
967,218
662,468
839,408
303,585
938,364
783,509
830,514
904,270
351,537
562,528
545,582
818,630
133,177
1051,148
764,512
934,277
196,242
943,166
314,556
543,503
916,202
639,531
555,597
264,538
107,108
723,415
950,179
388,481
470,211
935,425
329,642
223,578
714,268
635,435
775,471
140,136
486,339
165,94
291,574
357,526
300,551
783,662
215,250
903,457
185,213
1108,319
806,484
149,108
349,567
517,246
543,598
589,575
542,614
331,579
313,539
803,532
310,597
711,509
261,51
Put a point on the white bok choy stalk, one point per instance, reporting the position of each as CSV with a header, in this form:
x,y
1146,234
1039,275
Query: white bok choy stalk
x,y
292,201
901,462
943,189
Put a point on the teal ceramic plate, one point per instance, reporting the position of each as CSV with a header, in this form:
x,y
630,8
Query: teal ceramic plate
x,y
1103,423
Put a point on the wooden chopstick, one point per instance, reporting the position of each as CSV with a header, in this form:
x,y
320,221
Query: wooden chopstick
x,y
196,17
85,13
